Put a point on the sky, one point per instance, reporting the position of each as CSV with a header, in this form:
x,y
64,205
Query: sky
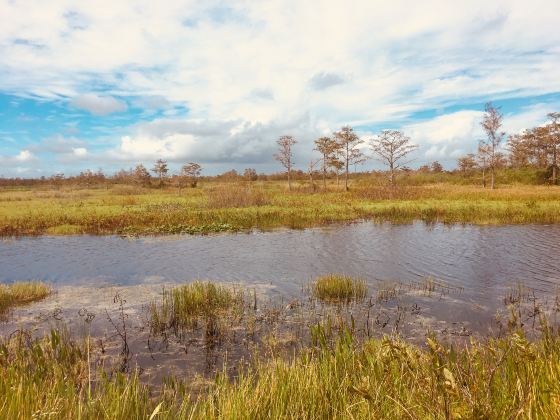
x,y
109,84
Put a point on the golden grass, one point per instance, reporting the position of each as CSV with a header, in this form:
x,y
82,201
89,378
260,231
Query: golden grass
x,y
221,207
339,288
20,293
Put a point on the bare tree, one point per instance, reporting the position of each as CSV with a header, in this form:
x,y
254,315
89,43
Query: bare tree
x,y
311,169
392,147
285,155
348,143
553,143
467,163
191,172
491,123
328,147
160,169
250,174
436,167
141,175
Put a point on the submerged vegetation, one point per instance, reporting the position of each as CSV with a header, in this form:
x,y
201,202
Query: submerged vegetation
x,y
229,207
339,288
20,293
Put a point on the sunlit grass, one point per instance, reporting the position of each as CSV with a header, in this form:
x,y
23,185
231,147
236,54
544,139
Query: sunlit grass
x,y
216,207
384,378
20,293
182,306
339,288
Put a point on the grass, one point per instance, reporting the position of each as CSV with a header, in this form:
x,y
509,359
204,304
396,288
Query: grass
x,y
226,207
182,306
20,293
387,378
339,288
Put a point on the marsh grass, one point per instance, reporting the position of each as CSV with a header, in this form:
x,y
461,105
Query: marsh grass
x,y
509,377
339,288
183,306
236,196
21,293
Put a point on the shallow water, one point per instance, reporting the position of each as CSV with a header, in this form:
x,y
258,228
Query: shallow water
x,y
474,268
481,259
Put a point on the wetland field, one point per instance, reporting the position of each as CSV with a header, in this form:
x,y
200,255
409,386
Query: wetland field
x,y
248,301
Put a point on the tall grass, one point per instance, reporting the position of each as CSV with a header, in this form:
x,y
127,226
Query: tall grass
x,y
384,378
339,288
231,207
182,306
20,293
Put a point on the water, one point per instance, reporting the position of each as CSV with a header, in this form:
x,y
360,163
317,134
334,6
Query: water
x,y
477,266
484,260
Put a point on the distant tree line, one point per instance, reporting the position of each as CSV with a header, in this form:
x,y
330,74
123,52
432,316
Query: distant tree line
x,y
538,147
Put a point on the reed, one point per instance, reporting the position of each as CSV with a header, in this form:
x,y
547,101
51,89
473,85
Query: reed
x,y
21,293
182,306
339,288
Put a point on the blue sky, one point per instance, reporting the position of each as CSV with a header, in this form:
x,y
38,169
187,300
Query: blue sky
x,y
108,85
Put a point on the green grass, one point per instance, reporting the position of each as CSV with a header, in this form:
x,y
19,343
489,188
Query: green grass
x,y
384,378
226,207
20,293
182,306
339,288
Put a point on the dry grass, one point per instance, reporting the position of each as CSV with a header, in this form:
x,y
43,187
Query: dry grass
x,y
236,196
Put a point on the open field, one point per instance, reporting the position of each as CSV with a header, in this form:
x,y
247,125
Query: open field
x,y
217,207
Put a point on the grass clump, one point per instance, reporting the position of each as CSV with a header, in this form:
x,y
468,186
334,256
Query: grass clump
x,y
339,288
184,305
20,293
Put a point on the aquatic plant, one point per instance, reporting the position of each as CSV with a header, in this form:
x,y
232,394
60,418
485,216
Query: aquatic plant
x,y
20,293
339,288
182,306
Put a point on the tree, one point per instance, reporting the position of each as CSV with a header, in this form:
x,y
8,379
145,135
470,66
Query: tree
x,y
311,169
141,175
285,155
553,143
467,163
348,143
161,170
491,123
392,147
436,167
250,174
191,172
328,148
519,150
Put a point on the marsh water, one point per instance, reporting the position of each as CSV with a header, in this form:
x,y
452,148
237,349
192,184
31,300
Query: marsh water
x,y
473,268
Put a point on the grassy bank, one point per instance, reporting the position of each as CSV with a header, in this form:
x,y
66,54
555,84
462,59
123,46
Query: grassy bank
x,y
264,205
20,293
383,378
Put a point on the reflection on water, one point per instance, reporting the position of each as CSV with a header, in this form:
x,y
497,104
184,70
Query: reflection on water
x,y
481,259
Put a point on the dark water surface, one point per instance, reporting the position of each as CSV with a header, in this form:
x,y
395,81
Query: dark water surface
x,y
481,259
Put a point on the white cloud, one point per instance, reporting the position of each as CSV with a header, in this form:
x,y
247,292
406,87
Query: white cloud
x,y
252,71
24,156
79,151
98,105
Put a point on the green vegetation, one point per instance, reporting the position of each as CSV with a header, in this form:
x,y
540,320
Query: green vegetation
x,y
183,306
20,293
339,288
508,377
216,207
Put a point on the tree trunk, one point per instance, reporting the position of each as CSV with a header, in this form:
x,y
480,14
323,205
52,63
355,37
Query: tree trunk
x,y
289,180
492,178
483,177
554,166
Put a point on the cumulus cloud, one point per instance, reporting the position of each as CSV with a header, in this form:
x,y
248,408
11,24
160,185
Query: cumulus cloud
x,y
24,156
98,105
245,78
